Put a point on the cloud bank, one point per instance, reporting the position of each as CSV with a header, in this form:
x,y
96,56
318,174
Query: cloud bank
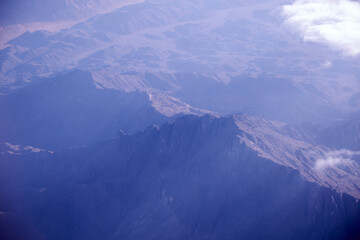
x,y
336,158
335,23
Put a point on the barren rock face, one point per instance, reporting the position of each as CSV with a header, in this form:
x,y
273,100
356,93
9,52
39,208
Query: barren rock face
x,y
197,177
179,119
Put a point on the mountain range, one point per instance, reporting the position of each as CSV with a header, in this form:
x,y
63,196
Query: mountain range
x,y
228,59
174,120
70,111
194,178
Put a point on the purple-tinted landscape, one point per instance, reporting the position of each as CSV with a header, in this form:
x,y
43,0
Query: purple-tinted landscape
x,y
164,119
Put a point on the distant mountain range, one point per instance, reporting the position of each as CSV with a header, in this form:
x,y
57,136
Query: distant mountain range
x,y
173,119
226,58
69,111
18,12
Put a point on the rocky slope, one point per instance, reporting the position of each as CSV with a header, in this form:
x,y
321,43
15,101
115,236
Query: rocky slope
x,y
194,178
15,11
343,135
70,110
229,57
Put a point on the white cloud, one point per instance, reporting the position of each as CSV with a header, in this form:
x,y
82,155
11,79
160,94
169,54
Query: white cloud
x,y
336,158
326,64
335,23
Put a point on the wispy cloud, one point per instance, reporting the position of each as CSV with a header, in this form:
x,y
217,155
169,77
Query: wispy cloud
x,y
336,158
335,23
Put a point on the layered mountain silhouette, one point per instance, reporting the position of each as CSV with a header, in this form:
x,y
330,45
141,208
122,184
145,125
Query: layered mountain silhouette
x,y
173,119
69,110
226,57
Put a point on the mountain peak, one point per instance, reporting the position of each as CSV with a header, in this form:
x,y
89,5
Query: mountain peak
x,y
191,173
267,140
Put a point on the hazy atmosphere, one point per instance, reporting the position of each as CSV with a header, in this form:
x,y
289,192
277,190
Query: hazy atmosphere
x,y
164,119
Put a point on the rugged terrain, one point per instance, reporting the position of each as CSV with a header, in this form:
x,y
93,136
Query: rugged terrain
x,y
69,111
195,178
229,57
251,132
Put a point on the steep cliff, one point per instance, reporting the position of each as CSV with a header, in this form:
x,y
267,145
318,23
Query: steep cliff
x,y
194,178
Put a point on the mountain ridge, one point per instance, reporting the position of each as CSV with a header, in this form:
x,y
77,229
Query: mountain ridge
x,y
70,110
212,58
190,178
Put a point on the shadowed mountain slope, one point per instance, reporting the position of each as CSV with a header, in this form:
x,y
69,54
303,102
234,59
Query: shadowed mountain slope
x,y
69,110
194,178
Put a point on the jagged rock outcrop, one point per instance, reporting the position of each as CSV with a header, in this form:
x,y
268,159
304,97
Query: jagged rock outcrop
x,y
194,178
